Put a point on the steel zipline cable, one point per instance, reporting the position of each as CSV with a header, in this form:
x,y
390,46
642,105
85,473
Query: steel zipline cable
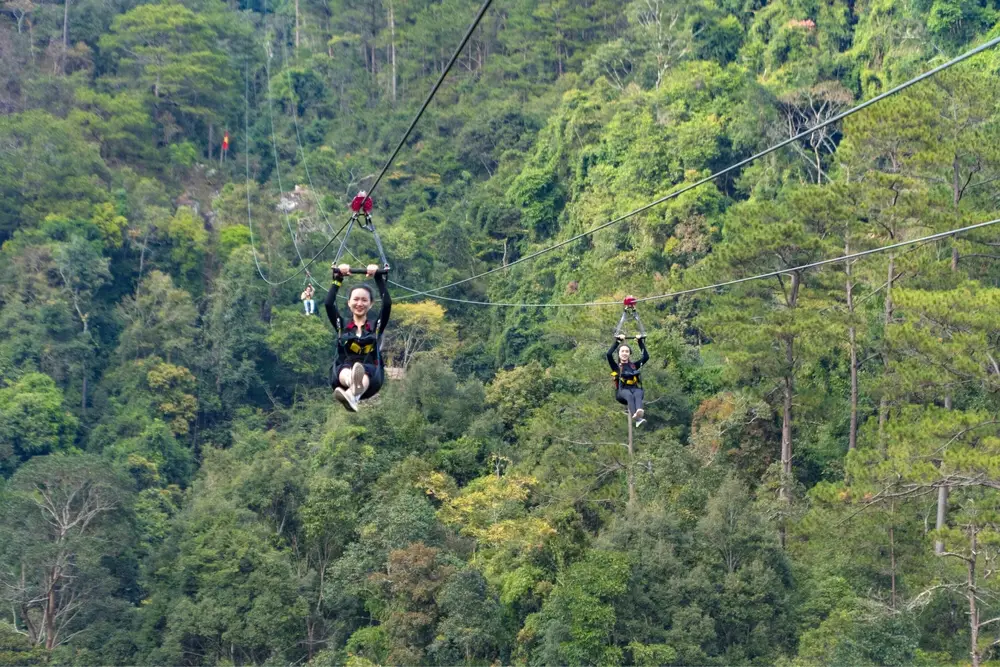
x,y
423,107
742,163
737,281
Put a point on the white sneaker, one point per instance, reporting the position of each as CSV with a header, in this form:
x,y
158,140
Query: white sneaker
x,y
639,422
358,379
346,398
639,414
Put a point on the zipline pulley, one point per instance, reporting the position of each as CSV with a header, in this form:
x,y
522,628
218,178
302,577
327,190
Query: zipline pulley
x,y
362,203
629,311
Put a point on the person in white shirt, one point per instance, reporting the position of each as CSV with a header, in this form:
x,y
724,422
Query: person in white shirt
x,y
307,300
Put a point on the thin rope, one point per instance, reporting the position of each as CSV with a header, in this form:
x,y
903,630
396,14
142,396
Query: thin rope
x,y
274,148
802,135
253,245
302,150
728,283
246,155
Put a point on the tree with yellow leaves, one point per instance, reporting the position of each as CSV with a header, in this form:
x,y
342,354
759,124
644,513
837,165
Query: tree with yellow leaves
x,y
417,328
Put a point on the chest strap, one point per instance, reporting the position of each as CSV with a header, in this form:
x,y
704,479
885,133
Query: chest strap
x,y
357,348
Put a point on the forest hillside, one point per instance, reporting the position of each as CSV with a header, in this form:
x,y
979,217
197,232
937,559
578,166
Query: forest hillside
x,y
818,477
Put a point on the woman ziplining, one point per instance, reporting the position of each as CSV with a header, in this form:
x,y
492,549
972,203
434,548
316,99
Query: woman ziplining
x,y
357,372
628,383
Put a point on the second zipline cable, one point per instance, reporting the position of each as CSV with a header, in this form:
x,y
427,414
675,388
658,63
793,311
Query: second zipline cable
x,y
742,163
736,281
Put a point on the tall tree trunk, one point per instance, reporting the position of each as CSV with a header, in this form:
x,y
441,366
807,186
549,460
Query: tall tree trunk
x,y
26,613
84,317
942,517
852,436
631,462
142,259
788,382
296,27
211,140
31,41
49,615
786,418
784,492
86,334
789,388
942,501
83,392
883,403
892,553
65,33
971,594
392,50
956,197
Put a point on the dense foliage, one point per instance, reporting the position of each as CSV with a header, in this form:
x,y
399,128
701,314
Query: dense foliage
x,y
818,479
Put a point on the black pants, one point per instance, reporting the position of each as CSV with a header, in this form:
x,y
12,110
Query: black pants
x,y
375,373
630,396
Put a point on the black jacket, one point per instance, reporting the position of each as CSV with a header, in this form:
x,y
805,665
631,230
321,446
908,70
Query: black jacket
x,y
354,345
628,373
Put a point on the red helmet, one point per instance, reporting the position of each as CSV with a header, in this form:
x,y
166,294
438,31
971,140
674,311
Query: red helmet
x,y
629,301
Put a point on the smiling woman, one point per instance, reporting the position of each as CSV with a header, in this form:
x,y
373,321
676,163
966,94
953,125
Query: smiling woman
x,y
357,372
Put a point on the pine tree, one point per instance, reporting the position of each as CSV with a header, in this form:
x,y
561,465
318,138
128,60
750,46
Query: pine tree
x,y
768,329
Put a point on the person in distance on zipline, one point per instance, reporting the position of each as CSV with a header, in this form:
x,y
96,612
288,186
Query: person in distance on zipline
x,y
307,300
357,371
628,384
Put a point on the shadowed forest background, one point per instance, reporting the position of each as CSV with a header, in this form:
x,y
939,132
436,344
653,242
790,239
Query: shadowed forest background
x,y
818,481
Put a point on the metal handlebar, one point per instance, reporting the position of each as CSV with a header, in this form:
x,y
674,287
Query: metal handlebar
x,y
380,272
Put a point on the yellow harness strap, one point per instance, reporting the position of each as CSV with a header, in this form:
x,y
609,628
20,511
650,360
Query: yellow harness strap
x,y
357,349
